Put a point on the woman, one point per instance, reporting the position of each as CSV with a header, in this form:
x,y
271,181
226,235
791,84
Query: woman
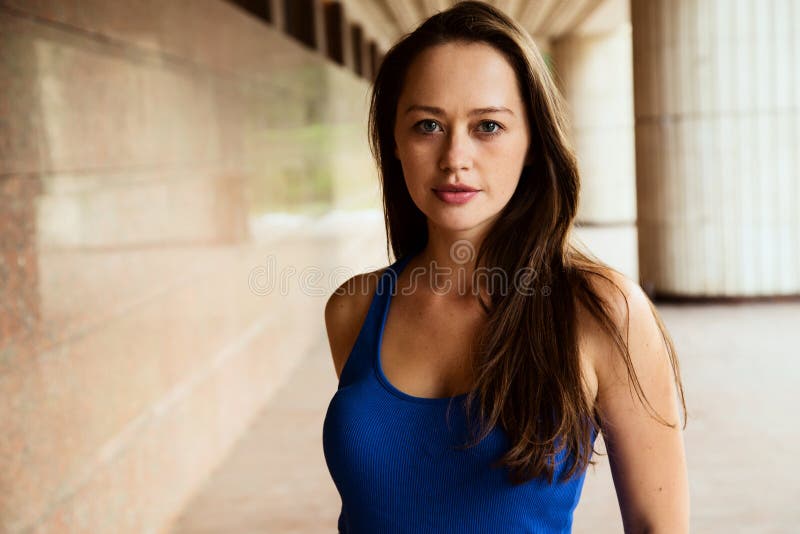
x,y
478,181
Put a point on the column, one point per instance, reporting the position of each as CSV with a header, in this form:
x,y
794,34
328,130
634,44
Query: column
x,y
595,76
717,93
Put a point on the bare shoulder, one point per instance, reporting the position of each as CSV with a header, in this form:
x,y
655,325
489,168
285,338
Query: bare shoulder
x,y
345,312
631,313
622,295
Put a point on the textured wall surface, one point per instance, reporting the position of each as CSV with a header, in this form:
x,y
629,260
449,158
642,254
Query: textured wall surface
x,y
149,155
717,99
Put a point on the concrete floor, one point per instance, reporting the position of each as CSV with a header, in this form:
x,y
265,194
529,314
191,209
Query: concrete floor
x,y
741,373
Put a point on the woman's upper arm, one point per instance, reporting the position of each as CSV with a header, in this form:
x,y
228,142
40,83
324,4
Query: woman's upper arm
x,y
647,458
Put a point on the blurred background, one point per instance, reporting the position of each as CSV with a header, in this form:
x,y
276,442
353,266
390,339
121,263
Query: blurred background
x,y
183,184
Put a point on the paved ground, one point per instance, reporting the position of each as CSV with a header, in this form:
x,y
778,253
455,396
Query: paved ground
x,y
741,374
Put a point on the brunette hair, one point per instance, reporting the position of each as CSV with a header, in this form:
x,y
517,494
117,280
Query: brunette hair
x,y
526,366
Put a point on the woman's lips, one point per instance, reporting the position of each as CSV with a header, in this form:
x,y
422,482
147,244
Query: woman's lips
x,y
455,197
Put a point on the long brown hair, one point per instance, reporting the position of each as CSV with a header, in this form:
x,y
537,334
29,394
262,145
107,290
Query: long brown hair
x,y
526,366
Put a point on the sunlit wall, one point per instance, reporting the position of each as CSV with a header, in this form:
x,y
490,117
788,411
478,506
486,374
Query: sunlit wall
x,y
151,154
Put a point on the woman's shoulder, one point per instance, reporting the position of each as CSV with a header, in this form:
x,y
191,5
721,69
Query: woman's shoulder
x,y
622,297
630,311
346,311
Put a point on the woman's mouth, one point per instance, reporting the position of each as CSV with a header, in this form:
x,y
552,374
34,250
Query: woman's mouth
x,y
456,195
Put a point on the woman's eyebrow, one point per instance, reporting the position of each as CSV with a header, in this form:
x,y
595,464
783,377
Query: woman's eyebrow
x,y
440,112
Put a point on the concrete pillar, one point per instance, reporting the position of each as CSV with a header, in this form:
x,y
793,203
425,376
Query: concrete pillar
x,y
717,99
595,75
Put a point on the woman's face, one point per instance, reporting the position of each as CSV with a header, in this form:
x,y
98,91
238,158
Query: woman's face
x,y
460,121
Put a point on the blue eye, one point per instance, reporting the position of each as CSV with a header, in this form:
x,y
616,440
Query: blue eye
x,y
494,127
427,126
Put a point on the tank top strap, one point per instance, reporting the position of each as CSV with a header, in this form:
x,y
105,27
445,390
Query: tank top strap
x,y
362,358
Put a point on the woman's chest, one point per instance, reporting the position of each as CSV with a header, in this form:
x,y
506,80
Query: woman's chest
x,y
376,443
429,352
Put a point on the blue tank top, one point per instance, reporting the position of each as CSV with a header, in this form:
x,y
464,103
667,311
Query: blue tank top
x,y
394,461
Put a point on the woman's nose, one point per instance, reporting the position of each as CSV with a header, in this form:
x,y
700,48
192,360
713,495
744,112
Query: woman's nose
x,y
457,153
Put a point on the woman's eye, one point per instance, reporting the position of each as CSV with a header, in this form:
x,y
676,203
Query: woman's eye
x,y
490,127
427,126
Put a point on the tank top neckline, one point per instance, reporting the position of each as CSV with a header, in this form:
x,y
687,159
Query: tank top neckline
x,y
393,273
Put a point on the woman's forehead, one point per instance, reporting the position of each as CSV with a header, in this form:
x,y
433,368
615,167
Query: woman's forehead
x,y
472,75
463,60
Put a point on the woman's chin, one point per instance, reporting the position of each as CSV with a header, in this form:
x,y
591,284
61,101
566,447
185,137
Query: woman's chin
x,y
458,224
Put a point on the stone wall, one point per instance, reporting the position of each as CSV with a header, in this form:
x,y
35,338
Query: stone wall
x,y
147,150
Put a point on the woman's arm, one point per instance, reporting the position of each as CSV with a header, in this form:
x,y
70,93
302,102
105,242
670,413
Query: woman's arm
x,y
345,312
647,458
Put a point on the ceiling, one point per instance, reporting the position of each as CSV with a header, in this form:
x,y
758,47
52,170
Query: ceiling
x,y
385,21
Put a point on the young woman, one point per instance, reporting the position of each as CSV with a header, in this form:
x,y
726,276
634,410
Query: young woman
x,y
493,312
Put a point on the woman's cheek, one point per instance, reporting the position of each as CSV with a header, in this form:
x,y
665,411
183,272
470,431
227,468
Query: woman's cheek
x,y
422,150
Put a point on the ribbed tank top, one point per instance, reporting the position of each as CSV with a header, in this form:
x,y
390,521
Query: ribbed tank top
x,y
393,459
